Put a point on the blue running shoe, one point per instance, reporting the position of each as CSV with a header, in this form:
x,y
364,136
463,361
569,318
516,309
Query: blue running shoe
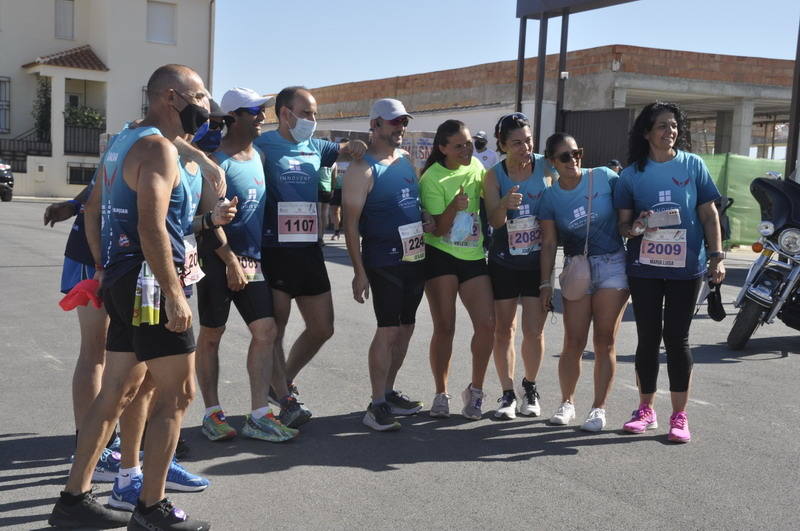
x,y
107,467
125,498
115,445
180,479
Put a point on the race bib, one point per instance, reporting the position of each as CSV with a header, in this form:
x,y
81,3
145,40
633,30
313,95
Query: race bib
x,y
524,235
251,268
413,242
297,221
664,248
472,238
191,272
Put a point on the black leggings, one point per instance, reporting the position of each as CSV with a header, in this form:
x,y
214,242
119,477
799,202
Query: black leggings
x,y
663,308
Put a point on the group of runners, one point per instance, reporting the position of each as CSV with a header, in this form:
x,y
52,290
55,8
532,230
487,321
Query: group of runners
x,y
177,207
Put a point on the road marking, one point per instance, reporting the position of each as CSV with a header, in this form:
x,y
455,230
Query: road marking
x,y
662,392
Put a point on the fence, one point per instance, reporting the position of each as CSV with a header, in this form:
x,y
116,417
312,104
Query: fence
x,y
82,140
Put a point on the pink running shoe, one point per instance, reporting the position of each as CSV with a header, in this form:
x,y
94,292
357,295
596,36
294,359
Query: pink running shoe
x,y
679,428
642,419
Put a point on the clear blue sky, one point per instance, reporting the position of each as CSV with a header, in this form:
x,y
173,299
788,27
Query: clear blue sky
x,y
269,44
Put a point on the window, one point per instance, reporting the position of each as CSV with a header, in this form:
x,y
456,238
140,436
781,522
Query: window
x,y
5,105
80,173
65,19
73,100
145,104
161,22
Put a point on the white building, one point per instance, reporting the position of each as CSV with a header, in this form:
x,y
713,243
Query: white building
x,y
93,53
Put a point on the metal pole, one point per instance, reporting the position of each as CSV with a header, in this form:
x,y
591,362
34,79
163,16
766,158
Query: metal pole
x,y
794,117
523,25
537,127
562,67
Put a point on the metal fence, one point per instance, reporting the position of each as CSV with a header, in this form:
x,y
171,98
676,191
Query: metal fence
x,y
82,140
15,152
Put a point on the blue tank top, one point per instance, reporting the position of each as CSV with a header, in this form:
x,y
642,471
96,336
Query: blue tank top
x,y
120,243
193,187
392,202
531,189
246,181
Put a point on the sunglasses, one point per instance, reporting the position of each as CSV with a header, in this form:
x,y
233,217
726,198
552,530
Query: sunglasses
x,y
567,156
251,110
400,120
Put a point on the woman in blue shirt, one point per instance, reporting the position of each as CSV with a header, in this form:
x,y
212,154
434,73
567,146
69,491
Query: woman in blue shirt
x,y
512,190
563,215
673,196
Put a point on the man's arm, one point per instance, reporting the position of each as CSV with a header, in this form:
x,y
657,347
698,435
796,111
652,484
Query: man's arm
x,y
157,176
62,210
356,185
211,171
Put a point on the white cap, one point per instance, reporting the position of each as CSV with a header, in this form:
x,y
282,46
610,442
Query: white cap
x,y
238,97
388,109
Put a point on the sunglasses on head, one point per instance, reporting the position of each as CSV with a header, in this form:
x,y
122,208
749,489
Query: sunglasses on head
x,y
250,110
567,156
400,120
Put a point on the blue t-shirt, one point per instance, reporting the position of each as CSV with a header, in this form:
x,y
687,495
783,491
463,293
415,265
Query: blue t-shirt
x,y
682,183
392,202
193,187
532,190
245,180
291,169
568,209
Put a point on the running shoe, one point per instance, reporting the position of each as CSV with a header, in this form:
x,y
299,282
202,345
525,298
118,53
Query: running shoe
x,y
564,414
400,404
125,498
642,419
528,404
163,517
107,466
679,428
181,480
216,427
379,417
508,406
336,235
473,400
182,449
441,406
85,511
293,414
595,421
267,428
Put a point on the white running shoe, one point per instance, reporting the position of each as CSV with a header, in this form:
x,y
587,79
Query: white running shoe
x,y
595,421
528,404
441,406
473,400
508,407
564,414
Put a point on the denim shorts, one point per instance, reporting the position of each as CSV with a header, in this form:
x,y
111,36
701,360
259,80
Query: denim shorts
x,y
608,271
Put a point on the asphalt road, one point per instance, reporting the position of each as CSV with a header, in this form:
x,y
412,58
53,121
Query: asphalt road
x,y
739,472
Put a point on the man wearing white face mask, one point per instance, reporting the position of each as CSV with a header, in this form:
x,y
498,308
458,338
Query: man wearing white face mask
x,y
291,256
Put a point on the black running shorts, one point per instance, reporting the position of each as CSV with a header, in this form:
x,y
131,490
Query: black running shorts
x,y
214,298
146,341
298,271
438,263
510,283
396,292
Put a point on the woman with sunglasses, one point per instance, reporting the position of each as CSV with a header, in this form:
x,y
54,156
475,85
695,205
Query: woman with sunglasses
x,y
450,189
672,196
512,190
563,215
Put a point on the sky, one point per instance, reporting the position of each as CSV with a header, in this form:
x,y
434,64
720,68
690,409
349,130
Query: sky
x,y
269,44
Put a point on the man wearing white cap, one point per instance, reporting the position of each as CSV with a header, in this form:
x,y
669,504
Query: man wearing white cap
x,y
292,256
234,274
383,229
487,156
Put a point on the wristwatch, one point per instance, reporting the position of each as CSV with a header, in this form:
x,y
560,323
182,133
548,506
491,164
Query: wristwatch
x,y
717,254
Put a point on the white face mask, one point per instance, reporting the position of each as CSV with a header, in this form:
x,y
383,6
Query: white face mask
x,y
303,129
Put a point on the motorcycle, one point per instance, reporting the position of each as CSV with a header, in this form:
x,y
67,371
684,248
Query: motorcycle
x,y
771,289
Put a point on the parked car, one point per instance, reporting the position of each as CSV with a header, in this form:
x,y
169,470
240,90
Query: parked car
x,y
6,181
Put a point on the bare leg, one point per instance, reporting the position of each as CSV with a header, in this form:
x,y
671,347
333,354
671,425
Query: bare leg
x,y
533,319
608,306
317,312
476,294
88,373
380,359
282,304
505,312
132,423
260,357
399,350
441,292
208,341
577,317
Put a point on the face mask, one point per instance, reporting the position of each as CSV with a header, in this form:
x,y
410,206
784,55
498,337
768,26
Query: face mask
x,y
480,144
206,139
192,116
303,129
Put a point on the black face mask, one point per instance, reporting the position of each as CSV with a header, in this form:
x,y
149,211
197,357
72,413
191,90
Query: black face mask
x,y
192,116
480,144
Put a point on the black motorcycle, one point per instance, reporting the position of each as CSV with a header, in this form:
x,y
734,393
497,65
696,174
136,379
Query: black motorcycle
x,y
771,288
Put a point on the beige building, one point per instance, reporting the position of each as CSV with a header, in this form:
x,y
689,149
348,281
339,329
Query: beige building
x,y
95,55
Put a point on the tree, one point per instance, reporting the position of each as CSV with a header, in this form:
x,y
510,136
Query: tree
x,y
41,109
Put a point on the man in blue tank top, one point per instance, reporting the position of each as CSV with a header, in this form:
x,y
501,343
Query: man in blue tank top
x,y
292,256
233,273
142,254
383,230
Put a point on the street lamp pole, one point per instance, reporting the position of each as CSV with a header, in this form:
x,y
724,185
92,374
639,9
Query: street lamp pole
x,y
794,119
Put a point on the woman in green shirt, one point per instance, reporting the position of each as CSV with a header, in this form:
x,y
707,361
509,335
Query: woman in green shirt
x,y
450,189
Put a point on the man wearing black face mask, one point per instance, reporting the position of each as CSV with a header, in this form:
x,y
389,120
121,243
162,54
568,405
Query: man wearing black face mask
x,y
488,157
139,255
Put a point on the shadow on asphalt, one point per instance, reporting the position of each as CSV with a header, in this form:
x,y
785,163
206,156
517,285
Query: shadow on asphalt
x,y
343,441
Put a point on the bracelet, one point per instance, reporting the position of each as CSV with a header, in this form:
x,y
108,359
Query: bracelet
x,y
75,203
208,224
